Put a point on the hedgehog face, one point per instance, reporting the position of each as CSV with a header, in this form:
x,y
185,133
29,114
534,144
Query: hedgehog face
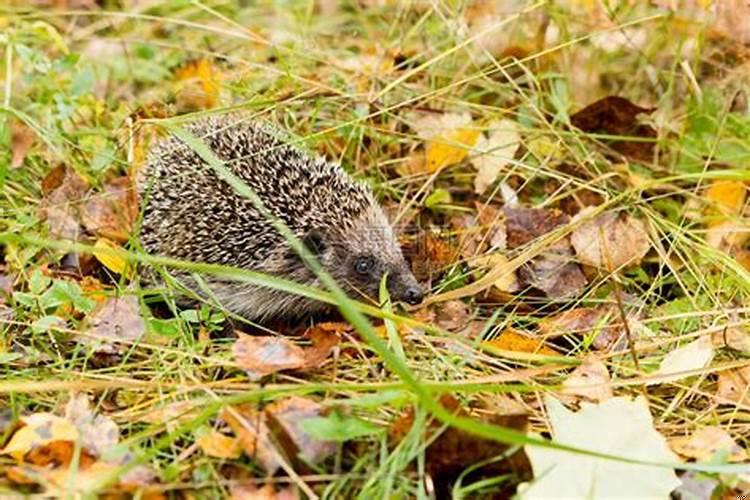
x,y
359,256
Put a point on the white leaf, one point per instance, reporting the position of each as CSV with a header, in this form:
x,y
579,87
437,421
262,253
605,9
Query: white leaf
x,y
618,426
495,152
430,125
690,357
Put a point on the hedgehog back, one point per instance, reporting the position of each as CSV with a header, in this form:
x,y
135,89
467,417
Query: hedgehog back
x,y
192,214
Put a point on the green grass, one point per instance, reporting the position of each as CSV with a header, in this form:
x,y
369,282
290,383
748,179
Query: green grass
x,y
88,82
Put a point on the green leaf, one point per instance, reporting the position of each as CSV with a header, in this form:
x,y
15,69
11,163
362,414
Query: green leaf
x,y
38,282
337,427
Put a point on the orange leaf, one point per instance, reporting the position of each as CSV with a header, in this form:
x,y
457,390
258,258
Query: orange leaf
x,y
512,340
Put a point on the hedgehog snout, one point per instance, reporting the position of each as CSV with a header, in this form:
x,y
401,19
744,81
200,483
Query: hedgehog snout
x,y
406,288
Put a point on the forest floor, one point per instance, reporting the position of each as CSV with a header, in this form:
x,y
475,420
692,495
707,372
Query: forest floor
x,y
569,182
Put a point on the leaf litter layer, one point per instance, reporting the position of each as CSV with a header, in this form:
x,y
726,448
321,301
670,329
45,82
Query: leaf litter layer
x,y
570,182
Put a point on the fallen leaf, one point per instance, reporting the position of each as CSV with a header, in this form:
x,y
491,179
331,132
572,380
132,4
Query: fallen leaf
x,y
38,430
21,140
590,380
733,337
99,433
429,126
524,225
733,386
250,427
561,474
105,252
450,148
249,491
505,283
430,255
611,241
261,356
323,337
705,442
117,320
197,86
584,321
62,189
285,419
618,116
217,445
453,450
726,229
112,213
494,153
726,198
733,19
513,340
690,357
554,273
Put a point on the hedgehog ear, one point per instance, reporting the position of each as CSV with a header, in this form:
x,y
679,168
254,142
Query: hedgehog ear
x,y
313,240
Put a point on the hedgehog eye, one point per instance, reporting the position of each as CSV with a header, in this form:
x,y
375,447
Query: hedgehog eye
x,y
363,265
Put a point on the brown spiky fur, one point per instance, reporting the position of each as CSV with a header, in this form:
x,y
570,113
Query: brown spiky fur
x,y
191,214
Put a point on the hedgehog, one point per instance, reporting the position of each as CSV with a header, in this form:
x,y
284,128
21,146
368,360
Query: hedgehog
x,y
190,213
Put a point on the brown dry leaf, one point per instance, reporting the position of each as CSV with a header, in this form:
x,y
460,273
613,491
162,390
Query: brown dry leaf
x,y
250,427
198,86
585,321
117,320
734,337
62,189
431,255
21,140
590,381
279,422
514,340
38,430
733,19
284,419
611,241
733,386
324,337
261,356
250,491
99,433
452,315
454,449
218,445
618,116
112,213
554,273
705,442
524,225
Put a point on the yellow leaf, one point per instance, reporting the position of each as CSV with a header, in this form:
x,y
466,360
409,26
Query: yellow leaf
x,y
217,445
198,85
39,429
450,148
105,252
727,199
